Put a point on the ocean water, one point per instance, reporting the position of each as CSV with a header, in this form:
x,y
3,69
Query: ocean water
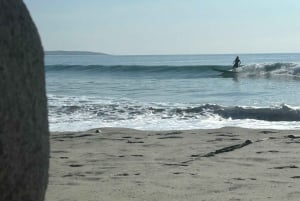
x,y
161,92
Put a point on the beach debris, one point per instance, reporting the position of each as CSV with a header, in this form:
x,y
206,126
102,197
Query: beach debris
x,y
293,136
219,151
75,165
271,151
131,142
170,137
284,167
170,133
227,135
228,149
175,164
239,179
122,174
98,131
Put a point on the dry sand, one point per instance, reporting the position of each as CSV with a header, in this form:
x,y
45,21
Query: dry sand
x,y
123,164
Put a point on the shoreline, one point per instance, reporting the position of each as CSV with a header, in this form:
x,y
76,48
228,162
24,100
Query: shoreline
x,y
229,163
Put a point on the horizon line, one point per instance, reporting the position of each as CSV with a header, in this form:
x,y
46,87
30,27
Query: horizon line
x,y
165,54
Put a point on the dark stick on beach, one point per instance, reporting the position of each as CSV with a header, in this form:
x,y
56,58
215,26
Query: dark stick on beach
x,y
228,149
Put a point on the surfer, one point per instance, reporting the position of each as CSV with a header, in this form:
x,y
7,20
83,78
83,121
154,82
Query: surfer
x,y
236,62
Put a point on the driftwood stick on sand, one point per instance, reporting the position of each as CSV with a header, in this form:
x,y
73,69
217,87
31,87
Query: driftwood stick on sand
x,y
219,151
228,149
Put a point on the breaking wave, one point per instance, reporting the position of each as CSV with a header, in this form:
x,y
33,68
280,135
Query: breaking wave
x,y
124,113
265,70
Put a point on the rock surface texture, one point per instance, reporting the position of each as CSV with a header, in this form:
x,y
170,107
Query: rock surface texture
x,y
24,144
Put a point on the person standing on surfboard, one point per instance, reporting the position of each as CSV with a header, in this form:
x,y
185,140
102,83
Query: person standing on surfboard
x,y
236,62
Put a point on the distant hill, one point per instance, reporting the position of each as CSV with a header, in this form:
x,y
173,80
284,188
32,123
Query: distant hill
x,y
61,52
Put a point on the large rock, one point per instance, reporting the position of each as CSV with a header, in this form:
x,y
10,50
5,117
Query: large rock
x,y
24,145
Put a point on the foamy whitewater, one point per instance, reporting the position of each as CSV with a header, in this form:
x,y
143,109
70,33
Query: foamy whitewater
x,y
172,92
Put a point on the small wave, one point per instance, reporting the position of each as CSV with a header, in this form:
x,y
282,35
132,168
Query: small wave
x,y
133,68
281,113
263,70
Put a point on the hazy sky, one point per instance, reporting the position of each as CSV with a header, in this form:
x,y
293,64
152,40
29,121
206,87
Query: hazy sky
x,y
168,26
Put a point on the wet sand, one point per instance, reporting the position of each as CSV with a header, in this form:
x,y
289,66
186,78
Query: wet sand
x,y
112,164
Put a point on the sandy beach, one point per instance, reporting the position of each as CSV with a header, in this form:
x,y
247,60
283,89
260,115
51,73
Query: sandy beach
x,y
218,164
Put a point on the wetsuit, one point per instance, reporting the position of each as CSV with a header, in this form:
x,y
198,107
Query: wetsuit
x,y
237,62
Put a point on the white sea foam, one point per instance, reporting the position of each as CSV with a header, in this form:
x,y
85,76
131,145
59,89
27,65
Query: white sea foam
x,y
172,124
270,70
82,113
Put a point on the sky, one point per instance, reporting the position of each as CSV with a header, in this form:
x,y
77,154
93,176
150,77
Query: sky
x,y
137,27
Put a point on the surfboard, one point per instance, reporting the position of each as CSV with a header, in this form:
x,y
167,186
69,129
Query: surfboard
x,y
225,71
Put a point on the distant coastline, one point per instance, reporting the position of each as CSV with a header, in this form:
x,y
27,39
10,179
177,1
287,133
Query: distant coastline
x,y
65,52
62,52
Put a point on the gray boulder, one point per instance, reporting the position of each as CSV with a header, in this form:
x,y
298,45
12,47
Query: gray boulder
x,y
24,136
